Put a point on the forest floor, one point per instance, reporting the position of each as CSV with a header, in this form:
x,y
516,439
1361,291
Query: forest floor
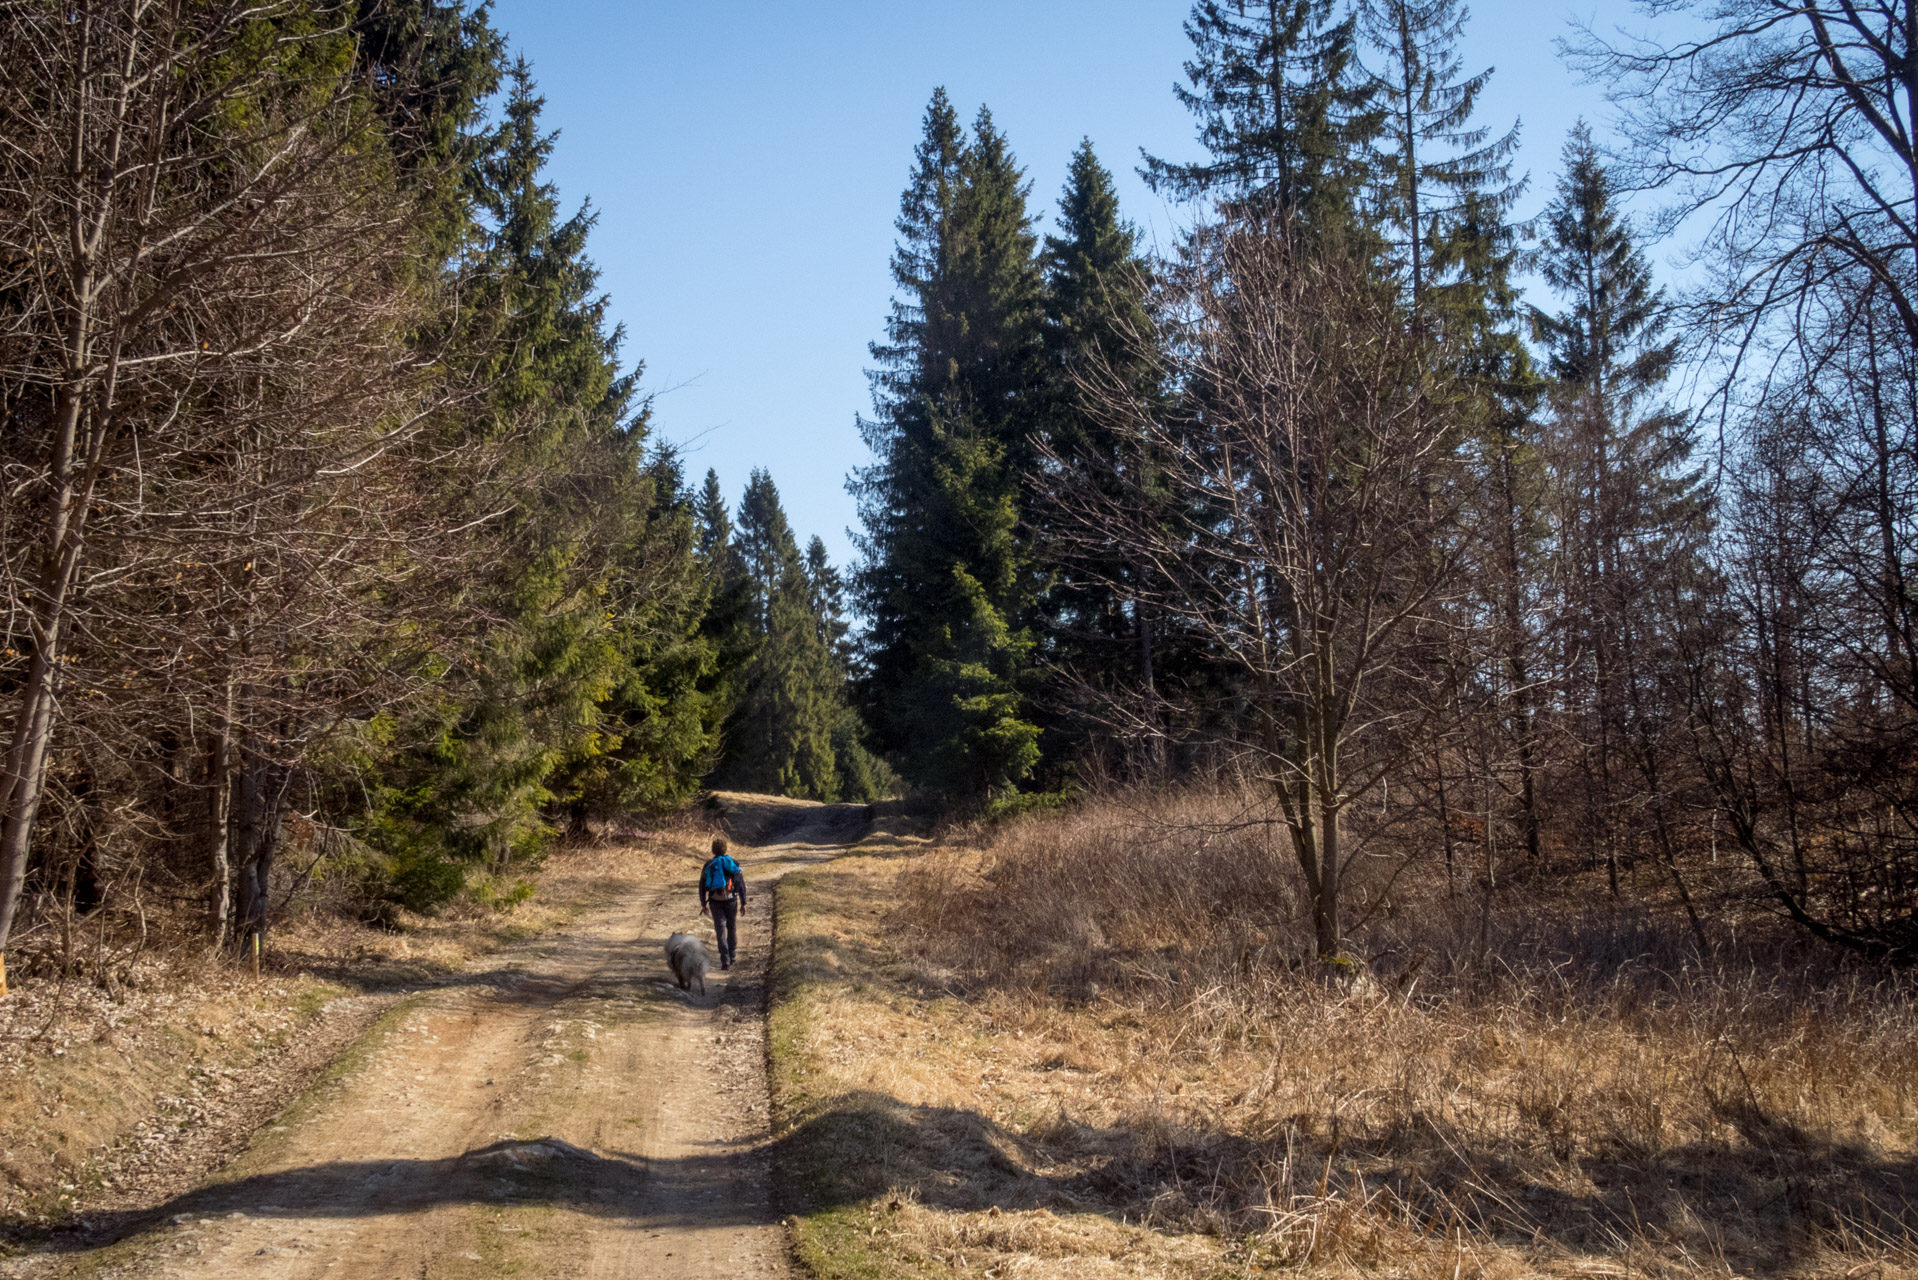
x,y
556,1108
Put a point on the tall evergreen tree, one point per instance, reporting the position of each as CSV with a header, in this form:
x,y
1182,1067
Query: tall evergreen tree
x,y
558,409
1609,343
588,586
829,603
945,582
779,737
1280,110
1630,510
727,624
657,724
862,775
1103,341
714,525
1431,157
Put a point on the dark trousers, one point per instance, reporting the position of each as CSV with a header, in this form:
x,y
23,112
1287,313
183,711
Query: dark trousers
x,y
726,926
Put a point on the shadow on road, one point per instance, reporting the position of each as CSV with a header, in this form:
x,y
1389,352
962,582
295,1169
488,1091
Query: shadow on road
x,y
543,1171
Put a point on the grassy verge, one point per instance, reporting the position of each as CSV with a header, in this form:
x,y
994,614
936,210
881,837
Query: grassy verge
x,y
77,1115
899,1144
977,1072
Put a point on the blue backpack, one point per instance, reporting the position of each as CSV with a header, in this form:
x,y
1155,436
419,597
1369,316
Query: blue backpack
x,y
717,879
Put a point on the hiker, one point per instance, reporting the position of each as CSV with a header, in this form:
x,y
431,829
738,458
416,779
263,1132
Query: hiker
x,y
722,890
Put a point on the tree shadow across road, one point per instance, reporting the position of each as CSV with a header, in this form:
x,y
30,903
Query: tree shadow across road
x,y
545,1172
866,1144
700,1190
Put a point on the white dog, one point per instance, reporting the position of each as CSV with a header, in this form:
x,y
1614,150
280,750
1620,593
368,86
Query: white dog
x,y
686,957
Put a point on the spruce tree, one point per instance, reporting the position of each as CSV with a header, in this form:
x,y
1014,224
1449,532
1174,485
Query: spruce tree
x,y
1431,157
1630,510
764,544
1100,333
863,776
657,725
780,736
1280,110
946,584
571,688
714,525
558,413
829,603
727,624
1609,342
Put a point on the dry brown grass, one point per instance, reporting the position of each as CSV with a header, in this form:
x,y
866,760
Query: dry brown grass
x,y
1101,1015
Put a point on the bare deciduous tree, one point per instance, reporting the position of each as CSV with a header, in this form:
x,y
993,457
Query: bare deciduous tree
x,y
1789,127
1320,519
202,369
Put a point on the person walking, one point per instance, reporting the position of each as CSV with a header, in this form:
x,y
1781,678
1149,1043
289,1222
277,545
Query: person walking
x,y
722,891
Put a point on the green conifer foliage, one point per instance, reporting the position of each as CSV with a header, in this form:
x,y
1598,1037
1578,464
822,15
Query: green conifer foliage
x,y
779,737
727,624
1432,161
1610,338
1280,110
1103,343
829,603
577,685
947,585
1610,353
715,526
432,68
863,776
657,727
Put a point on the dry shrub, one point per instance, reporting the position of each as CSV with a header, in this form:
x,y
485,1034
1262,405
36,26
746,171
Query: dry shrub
x,y
1120,893
1560,1075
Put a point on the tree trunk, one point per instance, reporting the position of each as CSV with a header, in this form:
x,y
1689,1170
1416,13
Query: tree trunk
x,y
22,786
255,825
26,769
219,790
1325,905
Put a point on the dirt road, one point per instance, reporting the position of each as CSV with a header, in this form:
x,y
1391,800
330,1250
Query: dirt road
x,y
562,1111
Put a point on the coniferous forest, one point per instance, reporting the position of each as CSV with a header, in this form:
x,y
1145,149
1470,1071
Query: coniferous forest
x,y
1441,534
336,529
339,541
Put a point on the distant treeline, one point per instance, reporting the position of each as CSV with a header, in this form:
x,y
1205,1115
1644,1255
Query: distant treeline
x,y
1319,501
334,533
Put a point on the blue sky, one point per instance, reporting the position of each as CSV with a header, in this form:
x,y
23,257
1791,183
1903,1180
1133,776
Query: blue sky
x,y
746,158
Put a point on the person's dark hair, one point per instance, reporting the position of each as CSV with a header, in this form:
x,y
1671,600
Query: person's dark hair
x,y
719,845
